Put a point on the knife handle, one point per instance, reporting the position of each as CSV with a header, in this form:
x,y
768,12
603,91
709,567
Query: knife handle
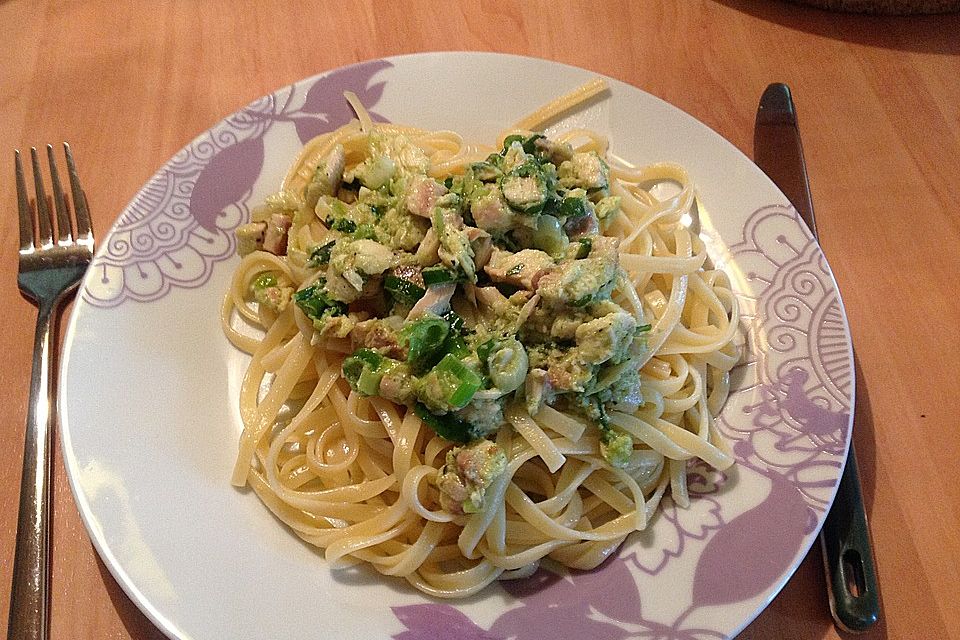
x,y
847,556
845,538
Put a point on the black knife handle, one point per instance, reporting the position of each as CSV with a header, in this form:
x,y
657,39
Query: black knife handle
x,y
777,150
845,537
847,556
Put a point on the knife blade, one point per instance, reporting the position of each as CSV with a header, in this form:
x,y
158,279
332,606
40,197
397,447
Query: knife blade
x,y
845,537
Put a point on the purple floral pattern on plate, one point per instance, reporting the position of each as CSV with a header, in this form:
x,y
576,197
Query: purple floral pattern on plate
x,y
787,418
181,223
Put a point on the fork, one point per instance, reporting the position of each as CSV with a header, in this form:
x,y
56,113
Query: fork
x,y
49,273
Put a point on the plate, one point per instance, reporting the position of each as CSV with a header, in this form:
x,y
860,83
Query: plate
x,y
149,388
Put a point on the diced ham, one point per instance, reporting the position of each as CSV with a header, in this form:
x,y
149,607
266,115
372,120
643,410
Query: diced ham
x,y
482,245
428,251
436,301
521,269
605,247
378,334
489,297
492,213
586,225
528,308
275,237
250,237
556,152
423,195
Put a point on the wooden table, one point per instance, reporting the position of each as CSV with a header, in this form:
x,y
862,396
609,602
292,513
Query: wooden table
x,y
129,83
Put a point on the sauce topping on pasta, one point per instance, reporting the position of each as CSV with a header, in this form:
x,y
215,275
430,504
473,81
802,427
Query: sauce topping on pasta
x,y
475,358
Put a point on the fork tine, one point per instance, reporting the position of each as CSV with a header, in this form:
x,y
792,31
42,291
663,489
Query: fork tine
x,y
79,198
59,203
45,222
23,206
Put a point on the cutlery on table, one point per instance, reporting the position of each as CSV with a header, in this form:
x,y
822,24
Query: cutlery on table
x,y
845,537
54,254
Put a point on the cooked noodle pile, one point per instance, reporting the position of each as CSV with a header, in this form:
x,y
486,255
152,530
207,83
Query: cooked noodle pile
x,y
359,475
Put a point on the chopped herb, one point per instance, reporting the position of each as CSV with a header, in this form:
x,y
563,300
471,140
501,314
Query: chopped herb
x,y
457,381
343,225
643,328
454,320
316,304
265,280
438,275
402,290
365,231
425,338
320,254
572,207
515,270
448,426
586,245
584,301
364,370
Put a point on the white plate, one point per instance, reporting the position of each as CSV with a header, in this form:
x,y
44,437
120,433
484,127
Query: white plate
x,y
149,388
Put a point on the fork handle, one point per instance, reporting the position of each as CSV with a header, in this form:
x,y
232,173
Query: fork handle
x,y
29,598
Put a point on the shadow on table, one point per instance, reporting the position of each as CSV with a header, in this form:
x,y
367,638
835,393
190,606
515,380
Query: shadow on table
x,y
920,33
134,621
801,610
864,438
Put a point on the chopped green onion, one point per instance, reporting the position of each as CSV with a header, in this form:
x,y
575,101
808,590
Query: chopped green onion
x,y
584,301
508,364
549,236
529,145
515,270
343,225
265,280
454,320
509,140
316,304
364,370
485,171
448,426
573,207
643,328
365,231
424,338
457,381
586,245
483,350
438,275
320,254
456,345
403,290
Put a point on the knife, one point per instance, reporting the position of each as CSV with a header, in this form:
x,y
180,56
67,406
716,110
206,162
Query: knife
x,y
845,538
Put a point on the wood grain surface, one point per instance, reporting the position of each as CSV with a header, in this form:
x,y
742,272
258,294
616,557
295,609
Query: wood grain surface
x,y
128,83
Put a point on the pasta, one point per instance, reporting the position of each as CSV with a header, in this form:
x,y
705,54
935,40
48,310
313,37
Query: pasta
x,y
465,359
